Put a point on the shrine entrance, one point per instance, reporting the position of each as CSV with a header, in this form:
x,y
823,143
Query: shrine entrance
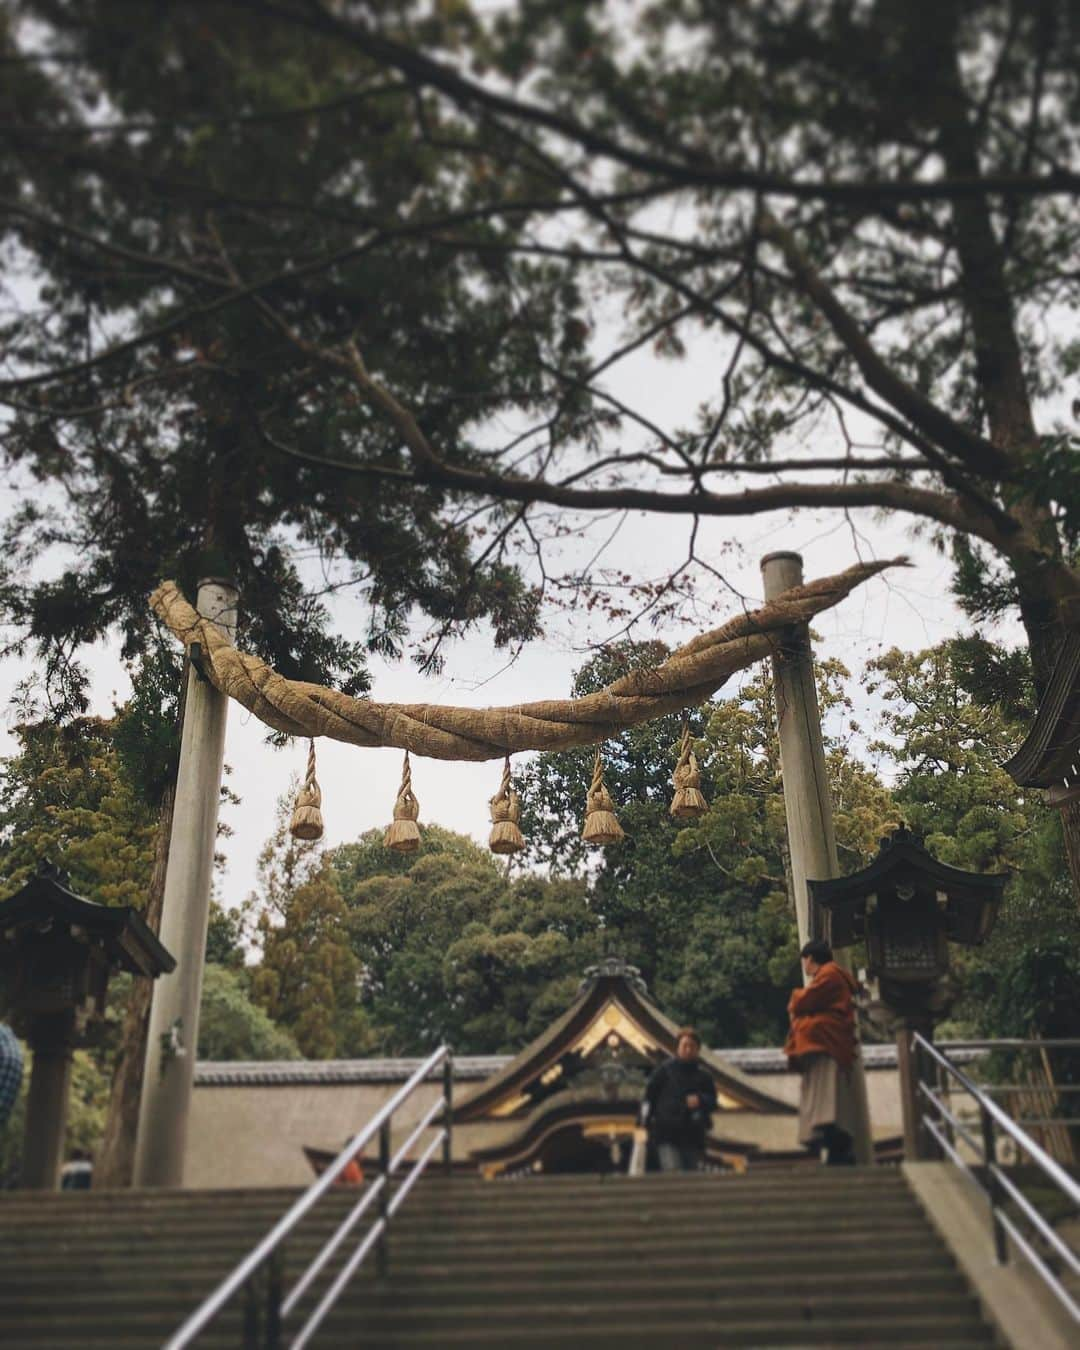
x,y
569,1102
596,1147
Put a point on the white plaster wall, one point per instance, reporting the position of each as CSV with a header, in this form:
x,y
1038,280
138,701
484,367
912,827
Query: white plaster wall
x,y
253,1135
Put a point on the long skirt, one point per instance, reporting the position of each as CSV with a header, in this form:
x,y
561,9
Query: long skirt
x,y
827,1098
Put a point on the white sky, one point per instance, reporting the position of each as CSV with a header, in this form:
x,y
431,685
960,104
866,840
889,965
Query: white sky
x,y
907,608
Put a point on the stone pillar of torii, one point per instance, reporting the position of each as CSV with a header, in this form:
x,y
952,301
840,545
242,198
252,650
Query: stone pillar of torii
x,y
807,803
168,1077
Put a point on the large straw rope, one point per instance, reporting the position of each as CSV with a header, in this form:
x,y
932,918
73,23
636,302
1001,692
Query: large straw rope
x,y
688,677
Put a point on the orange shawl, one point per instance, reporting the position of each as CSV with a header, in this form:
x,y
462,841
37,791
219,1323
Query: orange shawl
x,y
823,1017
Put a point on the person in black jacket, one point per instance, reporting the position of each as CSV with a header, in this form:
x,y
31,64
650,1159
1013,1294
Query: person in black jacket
x,y
679,1101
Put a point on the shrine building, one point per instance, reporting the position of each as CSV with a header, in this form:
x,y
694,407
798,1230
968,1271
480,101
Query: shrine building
x,y
567,1102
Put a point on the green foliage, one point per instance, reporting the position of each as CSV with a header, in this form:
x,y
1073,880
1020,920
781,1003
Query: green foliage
x,y
954,713
225,936
308,978
451,949
272,156
949,732
66,798
231,1026
146,729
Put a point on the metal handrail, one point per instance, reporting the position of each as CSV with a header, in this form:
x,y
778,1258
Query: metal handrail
x,y
263,1255
998,1185
1014,1043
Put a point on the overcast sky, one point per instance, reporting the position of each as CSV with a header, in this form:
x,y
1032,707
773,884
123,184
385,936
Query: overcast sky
x,y
909,608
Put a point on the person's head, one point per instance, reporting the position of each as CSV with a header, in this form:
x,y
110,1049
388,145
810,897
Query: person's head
x,y
689,1044
814,955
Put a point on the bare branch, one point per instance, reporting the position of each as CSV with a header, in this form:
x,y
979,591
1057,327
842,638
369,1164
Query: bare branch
x,y
975,451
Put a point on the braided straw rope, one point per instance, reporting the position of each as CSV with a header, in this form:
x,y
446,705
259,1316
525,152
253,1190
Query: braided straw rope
x,y
406,807
310,785
688,677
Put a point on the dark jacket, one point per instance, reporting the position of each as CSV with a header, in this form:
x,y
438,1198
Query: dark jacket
x,y
670,1120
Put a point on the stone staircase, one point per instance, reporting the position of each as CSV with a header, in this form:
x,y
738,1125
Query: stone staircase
x,y
837,1258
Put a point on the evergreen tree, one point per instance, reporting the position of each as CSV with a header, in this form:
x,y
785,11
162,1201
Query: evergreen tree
x,y
307,978
66,798
232,1027
452,949
953,713
289,257
280,163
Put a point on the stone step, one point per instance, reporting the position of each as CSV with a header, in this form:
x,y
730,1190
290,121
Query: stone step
x,y
783,1231
912,1333
732,1261
457,1250
467,1192
827,1182
574,1309
931,1263
230,1227
215,1261
641,1328
444,1289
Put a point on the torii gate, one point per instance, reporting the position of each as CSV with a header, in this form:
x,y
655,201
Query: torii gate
x,y
218,671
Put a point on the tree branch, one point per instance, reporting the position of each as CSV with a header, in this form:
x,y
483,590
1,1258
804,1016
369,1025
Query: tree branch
x,y
975,451
690,171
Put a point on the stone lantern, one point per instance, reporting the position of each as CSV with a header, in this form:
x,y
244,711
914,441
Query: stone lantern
x,y
57,953
908,908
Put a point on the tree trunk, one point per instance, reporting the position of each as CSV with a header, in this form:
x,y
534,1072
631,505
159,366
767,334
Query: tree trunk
x,y
1001,380
1046,634
1070,826
116,1155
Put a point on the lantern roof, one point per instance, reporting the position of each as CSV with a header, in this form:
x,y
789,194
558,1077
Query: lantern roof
x,y
971,899
47,901
1050,756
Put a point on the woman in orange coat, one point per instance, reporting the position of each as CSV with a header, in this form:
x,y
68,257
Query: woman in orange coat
x,y
822,1047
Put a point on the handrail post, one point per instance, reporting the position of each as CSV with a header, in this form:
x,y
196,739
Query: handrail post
x,y
275,1267
251,1312
945,1089
993,1186
928,1147
448,1111
381,1254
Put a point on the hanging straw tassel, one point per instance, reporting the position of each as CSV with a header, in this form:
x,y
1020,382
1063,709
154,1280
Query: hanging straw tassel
x,y
506,834
601,827
307,822
404,834
688,802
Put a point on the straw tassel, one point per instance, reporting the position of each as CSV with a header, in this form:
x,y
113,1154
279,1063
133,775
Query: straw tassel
x,y
688,802
506,836
404,834
601,827
307,821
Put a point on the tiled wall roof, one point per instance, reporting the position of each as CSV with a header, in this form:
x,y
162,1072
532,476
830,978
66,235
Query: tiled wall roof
x,y
467,1068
